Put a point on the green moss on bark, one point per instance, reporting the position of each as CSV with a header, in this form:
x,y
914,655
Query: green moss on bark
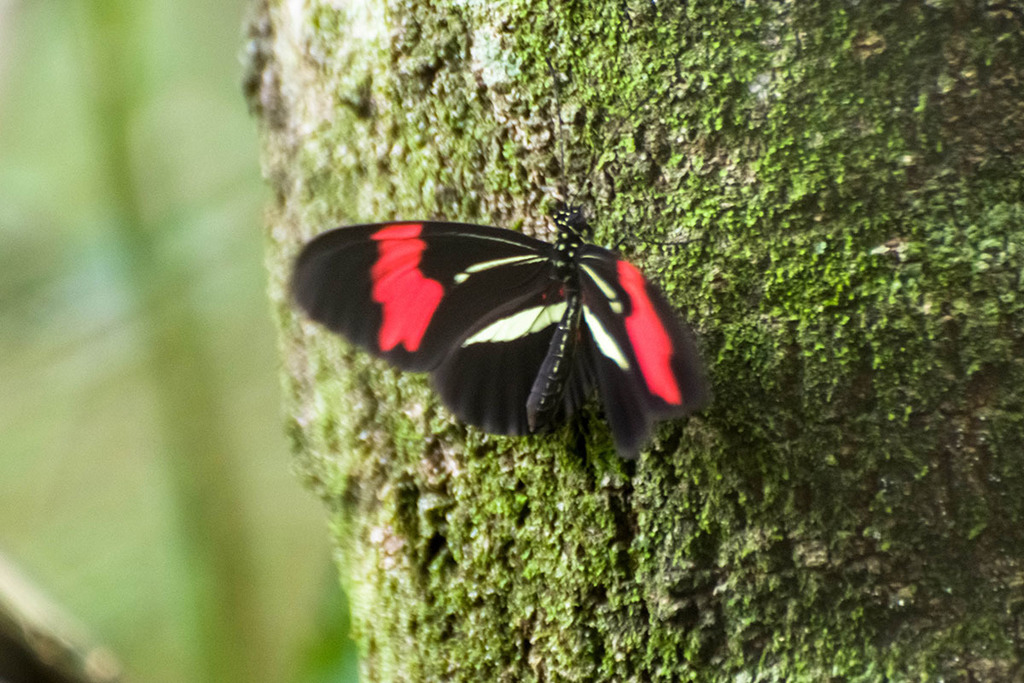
x,y
846,186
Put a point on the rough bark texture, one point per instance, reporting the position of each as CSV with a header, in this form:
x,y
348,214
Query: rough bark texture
x,y
846,182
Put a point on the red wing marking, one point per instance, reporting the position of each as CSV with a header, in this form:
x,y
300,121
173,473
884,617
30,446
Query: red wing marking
x,y
409,299
651,343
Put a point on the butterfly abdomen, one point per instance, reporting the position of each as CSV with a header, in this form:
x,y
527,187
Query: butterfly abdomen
x,y
546,402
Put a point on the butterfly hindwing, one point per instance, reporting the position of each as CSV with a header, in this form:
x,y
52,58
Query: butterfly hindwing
x,y
408,292
644,359
486,380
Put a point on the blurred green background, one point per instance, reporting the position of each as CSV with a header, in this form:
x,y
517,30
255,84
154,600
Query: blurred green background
x,y
144,478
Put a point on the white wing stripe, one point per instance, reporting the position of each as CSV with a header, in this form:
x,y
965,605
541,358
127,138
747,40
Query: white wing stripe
x,y
605,343
519,324
609,292
487,265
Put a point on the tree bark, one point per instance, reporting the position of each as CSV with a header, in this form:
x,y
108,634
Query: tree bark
x,y
845,186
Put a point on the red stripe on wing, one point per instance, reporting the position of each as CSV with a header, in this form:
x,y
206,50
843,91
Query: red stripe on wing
x,y
408,298
647,335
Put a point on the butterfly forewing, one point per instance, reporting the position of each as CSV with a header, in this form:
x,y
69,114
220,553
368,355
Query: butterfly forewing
x,y
408,292
644,359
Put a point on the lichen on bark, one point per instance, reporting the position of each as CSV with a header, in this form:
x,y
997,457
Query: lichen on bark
x,y
845,187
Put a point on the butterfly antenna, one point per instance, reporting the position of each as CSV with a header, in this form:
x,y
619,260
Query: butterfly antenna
x,y
571,199
596,157
558,112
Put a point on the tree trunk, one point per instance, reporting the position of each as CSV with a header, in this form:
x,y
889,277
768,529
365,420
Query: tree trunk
x,y
844,182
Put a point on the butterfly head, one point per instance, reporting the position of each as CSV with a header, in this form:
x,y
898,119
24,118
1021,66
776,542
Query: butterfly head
x,y
572,223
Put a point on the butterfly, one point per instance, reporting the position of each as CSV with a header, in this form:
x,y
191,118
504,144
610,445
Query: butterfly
x,y
515,332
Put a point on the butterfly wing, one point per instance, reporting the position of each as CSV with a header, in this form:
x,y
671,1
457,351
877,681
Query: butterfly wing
x,y
487,380
643,357
410,292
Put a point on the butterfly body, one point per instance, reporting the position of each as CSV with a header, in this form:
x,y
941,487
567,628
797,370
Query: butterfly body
x,y
516,332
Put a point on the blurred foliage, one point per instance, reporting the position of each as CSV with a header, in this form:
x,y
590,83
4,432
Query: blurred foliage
x,y
144,480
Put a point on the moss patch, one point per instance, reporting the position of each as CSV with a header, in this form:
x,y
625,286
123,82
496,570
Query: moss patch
x,y
845,189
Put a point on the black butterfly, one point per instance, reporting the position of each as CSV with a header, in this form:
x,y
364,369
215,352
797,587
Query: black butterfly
x,y
516,332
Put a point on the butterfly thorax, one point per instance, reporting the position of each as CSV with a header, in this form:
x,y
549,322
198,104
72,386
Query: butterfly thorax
x,y
572,232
